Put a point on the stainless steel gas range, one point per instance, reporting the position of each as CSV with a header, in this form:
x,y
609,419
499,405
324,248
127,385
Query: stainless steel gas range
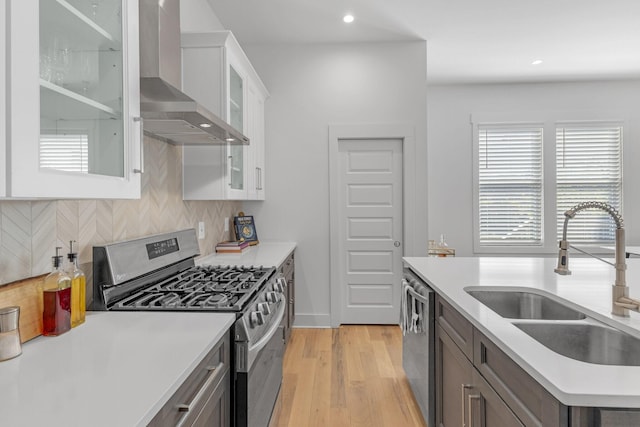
x,y
159,273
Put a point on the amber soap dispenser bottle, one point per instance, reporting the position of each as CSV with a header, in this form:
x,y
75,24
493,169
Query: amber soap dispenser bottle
x,y
56,316
78,288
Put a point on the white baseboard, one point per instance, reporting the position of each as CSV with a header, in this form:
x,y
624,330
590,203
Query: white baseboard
x,y
312,321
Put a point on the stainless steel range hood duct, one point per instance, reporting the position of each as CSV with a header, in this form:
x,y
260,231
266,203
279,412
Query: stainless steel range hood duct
x,y
168,113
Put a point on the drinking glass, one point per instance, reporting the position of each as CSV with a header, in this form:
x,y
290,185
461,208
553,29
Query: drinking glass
x,y
45,66
86,70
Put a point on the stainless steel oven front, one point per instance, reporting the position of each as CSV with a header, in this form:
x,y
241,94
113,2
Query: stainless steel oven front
x,y
259,351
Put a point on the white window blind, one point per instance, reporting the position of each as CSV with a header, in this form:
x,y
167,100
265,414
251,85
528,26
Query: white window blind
x,y
510,185
588,167
65,152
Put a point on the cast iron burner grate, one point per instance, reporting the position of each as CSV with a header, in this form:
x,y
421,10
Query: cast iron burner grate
x,y
204,288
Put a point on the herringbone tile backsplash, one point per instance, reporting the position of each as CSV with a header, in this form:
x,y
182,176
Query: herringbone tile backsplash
x,y
30,230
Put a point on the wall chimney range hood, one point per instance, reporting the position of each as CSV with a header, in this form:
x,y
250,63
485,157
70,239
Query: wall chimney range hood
x,y
169,114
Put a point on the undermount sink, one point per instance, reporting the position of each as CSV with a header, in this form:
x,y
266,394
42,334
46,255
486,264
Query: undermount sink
x,y
524,305
587,342
579,337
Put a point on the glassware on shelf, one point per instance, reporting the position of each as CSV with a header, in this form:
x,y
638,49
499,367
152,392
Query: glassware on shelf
x,y
86,70
56,61
95,8
65,55
45,66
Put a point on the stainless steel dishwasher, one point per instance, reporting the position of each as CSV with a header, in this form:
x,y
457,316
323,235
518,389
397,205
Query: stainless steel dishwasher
x,y
418,341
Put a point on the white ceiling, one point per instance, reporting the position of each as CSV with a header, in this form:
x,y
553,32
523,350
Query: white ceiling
x,y
467,40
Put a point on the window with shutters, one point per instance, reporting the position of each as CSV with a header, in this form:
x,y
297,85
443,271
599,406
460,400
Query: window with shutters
x,y
67,152
588,167
510,185
526,173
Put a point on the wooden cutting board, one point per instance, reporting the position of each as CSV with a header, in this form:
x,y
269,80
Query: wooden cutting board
x,y
27,294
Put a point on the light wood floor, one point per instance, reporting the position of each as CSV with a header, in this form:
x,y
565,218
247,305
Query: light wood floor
x,y
350,376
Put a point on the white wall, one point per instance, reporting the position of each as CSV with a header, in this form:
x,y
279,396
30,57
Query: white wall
x,y
450,144
198,16
313,86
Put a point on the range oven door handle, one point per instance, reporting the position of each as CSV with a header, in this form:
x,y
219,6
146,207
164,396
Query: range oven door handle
x,y
259,345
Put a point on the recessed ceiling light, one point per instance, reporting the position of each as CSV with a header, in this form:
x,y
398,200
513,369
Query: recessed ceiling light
x,y
348,18
537,62
205,125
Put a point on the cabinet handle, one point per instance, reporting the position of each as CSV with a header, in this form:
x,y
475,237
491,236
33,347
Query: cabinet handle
x,y
202,393
258,178
463,390
471,398
141,169
230,160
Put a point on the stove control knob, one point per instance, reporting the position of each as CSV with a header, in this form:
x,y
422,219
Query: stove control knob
x,y
272,297
264,308
279,285
257,318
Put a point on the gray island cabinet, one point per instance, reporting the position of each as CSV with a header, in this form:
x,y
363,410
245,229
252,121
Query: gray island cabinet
x,y
477,384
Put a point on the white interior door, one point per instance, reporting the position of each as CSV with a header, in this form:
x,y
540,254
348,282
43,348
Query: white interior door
x,y
370,229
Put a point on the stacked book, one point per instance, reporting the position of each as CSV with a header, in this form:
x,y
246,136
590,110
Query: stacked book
x,y
232,247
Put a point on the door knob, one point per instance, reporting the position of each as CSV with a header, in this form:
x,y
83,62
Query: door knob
x,y
396,244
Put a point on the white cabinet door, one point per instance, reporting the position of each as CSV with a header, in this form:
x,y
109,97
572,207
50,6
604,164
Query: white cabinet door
x,y
231,88
3,99
73,96
255,132
237,109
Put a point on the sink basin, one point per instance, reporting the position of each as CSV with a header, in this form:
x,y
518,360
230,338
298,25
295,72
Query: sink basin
x,y
524,305
587,342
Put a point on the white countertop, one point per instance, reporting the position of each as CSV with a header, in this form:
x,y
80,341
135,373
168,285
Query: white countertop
x,y
267,254
572,382
116,369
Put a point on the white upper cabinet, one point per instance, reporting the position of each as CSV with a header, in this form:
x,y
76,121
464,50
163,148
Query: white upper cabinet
x,y
3,98
255,132
217,74
73,99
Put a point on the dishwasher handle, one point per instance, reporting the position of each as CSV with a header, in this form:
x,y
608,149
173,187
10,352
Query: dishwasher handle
x,y
421,298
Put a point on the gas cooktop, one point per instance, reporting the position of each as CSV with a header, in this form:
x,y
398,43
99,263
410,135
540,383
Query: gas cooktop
x,y
207,288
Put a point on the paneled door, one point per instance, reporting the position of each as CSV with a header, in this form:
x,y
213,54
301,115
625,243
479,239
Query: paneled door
x,y
370,230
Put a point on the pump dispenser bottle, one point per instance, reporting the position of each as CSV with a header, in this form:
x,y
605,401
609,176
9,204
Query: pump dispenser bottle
x,y
56,316
78,288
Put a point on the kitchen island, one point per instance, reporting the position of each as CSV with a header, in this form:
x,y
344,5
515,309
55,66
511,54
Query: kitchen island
x,y
588,289
116,369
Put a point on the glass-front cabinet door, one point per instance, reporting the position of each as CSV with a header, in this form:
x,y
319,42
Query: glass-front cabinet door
x,y
74,102
236,117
